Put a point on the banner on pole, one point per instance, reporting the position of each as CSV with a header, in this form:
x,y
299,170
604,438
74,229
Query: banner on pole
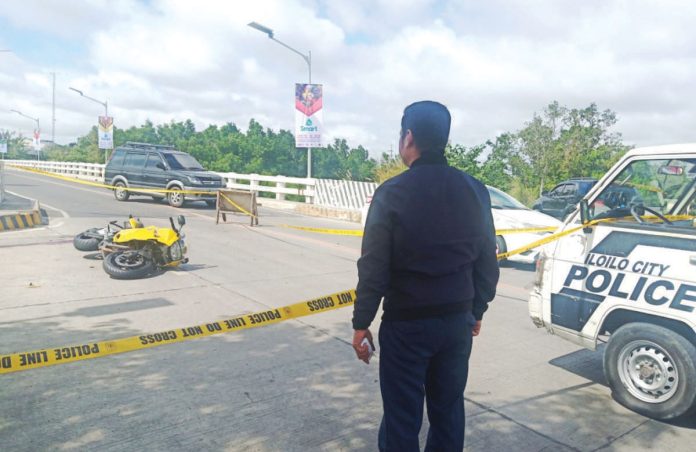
x,y
36,142
106,132
309,115
3,147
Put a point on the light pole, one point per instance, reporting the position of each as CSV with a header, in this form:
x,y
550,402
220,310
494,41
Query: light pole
x,y
104,104
307,58
38,129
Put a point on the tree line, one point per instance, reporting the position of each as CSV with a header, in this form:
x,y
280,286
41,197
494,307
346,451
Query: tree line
x,y
554,145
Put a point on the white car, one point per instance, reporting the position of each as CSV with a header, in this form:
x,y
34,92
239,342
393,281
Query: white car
x,y
509,213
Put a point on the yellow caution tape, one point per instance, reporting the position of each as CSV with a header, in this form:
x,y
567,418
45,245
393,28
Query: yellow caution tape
x,y
112,187
63,355
241,209
353,232
521,230
553,237
359,232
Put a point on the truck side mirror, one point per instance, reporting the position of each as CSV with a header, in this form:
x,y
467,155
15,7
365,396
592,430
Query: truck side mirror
x,y
585,215
161,166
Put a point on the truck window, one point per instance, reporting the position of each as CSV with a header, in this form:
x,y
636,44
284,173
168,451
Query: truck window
x,y
117,158
135,160
152,161
666,186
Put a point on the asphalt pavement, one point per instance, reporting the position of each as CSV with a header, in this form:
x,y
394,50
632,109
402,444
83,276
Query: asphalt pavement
x,y
293,386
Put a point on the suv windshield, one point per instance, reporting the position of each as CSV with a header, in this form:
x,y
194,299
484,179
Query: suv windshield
x,y
182,162
665,186
501,200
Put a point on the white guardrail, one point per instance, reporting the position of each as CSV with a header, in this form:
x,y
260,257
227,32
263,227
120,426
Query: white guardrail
x,y
332,193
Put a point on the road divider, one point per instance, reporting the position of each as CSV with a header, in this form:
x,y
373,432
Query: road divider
x,y
17,362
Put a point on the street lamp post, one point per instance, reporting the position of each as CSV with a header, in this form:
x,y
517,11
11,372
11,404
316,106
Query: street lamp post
x,y
307,58
38,129
104,104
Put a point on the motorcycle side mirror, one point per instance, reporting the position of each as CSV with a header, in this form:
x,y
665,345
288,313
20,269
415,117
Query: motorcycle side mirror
x,y
182,220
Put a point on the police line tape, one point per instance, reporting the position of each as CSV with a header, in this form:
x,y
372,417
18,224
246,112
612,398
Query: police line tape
x,y
237,206
63,355
350,232
111,187
359,232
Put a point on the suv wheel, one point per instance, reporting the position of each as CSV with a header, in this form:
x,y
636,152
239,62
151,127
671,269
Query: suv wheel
x,y
120,193
175,197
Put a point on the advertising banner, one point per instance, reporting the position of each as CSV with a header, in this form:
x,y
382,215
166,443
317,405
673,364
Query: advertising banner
x,y
3,146
309,115
106,132
36,142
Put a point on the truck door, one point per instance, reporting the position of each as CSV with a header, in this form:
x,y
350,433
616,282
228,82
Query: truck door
x,y
154,173
133,168
641,257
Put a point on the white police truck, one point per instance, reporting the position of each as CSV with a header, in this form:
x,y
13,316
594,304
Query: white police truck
x,y
628,278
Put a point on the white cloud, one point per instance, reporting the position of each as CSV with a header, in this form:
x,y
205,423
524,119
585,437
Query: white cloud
x,y
493,63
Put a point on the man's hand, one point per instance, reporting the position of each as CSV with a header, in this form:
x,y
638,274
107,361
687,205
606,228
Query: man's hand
x,y
363,351
476,329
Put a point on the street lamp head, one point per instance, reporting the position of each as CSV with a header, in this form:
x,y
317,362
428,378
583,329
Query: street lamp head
x,y
261,28
77,91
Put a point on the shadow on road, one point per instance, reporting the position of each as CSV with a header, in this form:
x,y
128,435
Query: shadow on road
x,y
275,388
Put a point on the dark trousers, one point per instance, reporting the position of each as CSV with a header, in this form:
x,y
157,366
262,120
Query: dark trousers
x,y
424,358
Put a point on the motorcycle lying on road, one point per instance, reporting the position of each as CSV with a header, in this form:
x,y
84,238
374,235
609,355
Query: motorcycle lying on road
x,y
92,239
138,252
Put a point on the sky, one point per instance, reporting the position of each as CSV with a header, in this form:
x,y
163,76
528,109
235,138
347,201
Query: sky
x,y
494,64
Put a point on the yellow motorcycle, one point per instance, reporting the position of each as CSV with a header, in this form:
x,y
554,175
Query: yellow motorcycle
x,y
137,253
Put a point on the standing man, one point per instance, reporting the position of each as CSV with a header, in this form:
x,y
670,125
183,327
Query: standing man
x,y
429,250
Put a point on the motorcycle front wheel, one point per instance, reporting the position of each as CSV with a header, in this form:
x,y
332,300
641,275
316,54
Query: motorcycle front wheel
x,y
85,242
128,265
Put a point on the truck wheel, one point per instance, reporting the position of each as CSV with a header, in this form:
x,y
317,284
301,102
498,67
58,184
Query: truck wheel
x,y
127,265
175,197
651,370
119,193
500,247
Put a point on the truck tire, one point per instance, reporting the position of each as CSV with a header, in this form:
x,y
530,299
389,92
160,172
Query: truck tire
x,y
119,193
651,370
83,242
127,265
175,197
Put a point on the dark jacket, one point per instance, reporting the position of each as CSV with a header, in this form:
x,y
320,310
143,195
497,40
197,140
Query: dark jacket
x,y
429,246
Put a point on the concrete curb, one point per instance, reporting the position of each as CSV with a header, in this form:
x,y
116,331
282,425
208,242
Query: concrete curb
x,y
10,221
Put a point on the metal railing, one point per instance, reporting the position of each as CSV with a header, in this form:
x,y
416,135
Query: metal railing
x,y
2,181
280,186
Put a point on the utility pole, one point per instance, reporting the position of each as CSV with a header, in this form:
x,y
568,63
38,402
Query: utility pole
x,y
307,58
53,127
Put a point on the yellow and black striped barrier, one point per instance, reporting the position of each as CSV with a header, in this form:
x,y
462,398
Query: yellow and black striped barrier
x,y
20,220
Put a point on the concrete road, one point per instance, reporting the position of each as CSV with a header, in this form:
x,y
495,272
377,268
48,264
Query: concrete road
x,y
294,386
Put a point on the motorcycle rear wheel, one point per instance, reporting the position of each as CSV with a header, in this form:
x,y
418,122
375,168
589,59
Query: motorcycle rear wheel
x,y
128,265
